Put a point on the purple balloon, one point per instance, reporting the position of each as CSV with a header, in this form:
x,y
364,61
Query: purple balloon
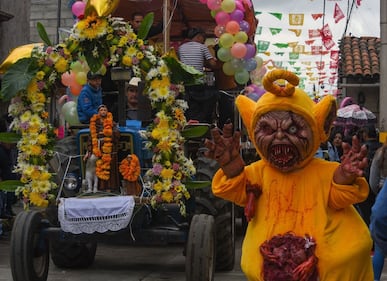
x,y
237,15
250,53
244,26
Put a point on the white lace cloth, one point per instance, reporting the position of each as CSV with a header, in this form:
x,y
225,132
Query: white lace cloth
x,y
89,215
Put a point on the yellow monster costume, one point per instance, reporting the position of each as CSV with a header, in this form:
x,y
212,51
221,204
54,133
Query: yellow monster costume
x,y
305,200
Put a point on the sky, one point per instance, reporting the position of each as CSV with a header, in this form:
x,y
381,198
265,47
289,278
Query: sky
x,y
364,21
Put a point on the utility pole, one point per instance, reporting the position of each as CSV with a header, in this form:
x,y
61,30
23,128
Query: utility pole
x,y
383,68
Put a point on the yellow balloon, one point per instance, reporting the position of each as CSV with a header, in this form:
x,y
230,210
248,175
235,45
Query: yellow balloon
x,y
20,52
101,7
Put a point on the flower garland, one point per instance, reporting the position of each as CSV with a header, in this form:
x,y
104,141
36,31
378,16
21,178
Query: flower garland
x,y
130,168
102,169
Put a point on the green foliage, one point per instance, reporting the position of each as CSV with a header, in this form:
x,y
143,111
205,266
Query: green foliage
x,y
43,34
197,184
145,26
10,185
17,77
195,131
8,137
182,73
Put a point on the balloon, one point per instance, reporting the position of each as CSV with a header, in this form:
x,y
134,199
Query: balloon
x,y
101,7
238,50
203,1
213,4
259,62
237,15
241,37
242,76
20,52
81,78
228,69
226,40
228,6
219,30
222,18
75,88
78,9
224,54
250,64
66,79
69,111
76,66
250,51
237,63
232,27
244,26
239,6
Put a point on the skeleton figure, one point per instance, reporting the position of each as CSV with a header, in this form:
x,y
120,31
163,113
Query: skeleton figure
x,y
302,225
90,175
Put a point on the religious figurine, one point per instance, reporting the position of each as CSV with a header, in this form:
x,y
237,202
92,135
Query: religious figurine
x,y
302,225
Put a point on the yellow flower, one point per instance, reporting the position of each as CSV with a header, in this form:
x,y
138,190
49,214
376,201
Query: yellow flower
x,y
164,146
131,51
158,186
40,75
110,37
167,173
42,139
35,175
45,176
36,199
167,196
140,42
92,27
123,41
126,60
140,55
35,150
32,87
61,65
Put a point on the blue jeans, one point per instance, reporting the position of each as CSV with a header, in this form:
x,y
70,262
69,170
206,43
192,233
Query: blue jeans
x,y
377,262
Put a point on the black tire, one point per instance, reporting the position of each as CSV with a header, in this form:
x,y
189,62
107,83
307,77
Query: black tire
x,y
223,212
73,254
29,255
200,257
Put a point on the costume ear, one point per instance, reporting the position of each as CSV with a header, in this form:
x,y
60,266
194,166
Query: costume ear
x,y
246,108
325,113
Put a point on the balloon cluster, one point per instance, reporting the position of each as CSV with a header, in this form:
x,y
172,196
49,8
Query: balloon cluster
x,y
76,78
232,30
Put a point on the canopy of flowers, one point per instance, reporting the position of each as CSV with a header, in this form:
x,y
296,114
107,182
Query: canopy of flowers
x,y
98,41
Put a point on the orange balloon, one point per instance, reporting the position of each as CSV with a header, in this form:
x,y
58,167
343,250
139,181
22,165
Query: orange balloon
x,y
20,52
101,7
232,27
75,89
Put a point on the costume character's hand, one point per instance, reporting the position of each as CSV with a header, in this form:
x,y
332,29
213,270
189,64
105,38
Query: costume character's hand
x,y
225,150
353,162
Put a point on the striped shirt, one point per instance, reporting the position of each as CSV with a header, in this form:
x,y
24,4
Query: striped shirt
x,y
194,54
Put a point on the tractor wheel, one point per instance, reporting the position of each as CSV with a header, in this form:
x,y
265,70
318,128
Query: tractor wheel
x,y
73,254
223,212
200,257
29,256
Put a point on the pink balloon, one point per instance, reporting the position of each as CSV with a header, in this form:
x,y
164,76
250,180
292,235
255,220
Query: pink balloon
x,y
78,9
237,15
213,4
239,6
66,79
203,1
222,18
238,50
232,27
219,30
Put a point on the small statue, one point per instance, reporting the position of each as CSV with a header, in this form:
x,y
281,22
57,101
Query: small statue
x,y
90,175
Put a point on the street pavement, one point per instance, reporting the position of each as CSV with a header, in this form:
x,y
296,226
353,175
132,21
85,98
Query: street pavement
x,y
128,263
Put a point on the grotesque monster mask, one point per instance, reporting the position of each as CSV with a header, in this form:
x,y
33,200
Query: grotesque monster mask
x,y
285,125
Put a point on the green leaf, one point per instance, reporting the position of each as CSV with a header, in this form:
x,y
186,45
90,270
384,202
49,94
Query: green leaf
x,y
145,26
43,34
8,137
10,185
197,184
17,77
182,73
194,131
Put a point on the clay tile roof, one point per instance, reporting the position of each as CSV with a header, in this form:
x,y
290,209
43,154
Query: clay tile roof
x,y
359,58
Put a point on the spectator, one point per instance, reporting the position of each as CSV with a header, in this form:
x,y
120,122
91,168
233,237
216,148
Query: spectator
x,y
201,99
378,173
132,98
370,139
136,21
336,139
90,98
